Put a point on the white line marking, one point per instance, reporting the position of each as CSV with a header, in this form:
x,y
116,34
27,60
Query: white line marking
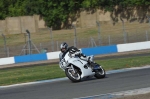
x,y
37,82
118,94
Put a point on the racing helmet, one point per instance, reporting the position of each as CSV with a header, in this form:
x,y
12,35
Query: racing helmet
x,y
63,47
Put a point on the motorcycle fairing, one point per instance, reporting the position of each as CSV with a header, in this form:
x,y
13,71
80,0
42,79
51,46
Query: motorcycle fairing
x,y
80,64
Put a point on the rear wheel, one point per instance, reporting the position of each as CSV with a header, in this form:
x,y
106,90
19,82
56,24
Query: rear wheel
x,y
73,76
100,73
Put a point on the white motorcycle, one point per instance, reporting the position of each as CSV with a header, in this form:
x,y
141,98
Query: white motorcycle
x,y
76,69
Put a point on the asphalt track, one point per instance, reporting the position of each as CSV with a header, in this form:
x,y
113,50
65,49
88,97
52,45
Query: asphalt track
x,y
65,89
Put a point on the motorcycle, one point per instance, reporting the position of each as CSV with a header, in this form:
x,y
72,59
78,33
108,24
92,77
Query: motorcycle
x,y
77,69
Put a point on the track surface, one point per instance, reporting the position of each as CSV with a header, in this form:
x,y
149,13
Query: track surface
x,y
67,90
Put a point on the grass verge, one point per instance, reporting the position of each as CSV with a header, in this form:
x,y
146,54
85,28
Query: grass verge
x,y
45,72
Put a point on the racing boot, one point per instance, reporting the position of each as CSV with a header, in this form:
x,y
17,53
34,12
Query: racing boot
x,y
91,62
90,59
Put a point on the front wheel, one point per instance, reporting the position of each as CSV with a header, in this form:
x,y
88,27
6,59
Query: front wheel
x,y
100,73
73,76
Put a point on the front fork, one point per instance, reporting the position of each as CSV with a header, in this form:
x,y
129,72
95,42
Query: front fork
x,y
72,69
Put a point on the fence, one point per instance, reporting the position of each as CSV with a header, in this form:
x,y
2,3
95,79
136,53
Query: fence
x,y
102,36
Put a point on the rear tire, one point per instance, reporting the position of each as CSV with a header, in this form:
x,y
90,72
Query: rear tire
x,y
100,73
74,77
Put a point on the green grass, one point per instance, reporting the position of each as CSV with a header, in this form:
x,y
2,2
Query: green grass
x,y
125,62
28,74
45,72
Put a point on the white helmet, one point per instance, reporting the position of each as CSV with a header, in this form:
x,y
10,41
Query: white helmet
x,y
63,46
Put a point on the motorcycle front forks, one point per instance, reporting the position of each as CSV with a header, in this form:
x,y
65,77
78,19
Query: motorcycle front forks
x,y
73,69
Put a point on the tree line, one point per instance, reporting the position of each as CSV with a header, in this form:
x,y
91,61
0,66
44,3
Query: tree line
x,y
55,12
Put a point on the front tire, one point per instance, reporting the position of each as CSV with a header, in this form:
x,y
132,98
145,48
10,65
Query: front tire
x,y
74,77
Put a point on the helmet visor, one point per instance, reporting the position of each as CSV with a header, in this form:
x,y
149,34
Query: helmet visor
x,y
63,49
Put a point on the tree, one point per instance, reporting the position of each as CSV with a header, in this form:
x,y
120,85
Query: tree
x,y
56,12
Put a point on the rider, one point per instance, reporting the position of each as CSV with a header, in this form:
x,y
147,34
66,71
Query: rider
x,y
64,49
